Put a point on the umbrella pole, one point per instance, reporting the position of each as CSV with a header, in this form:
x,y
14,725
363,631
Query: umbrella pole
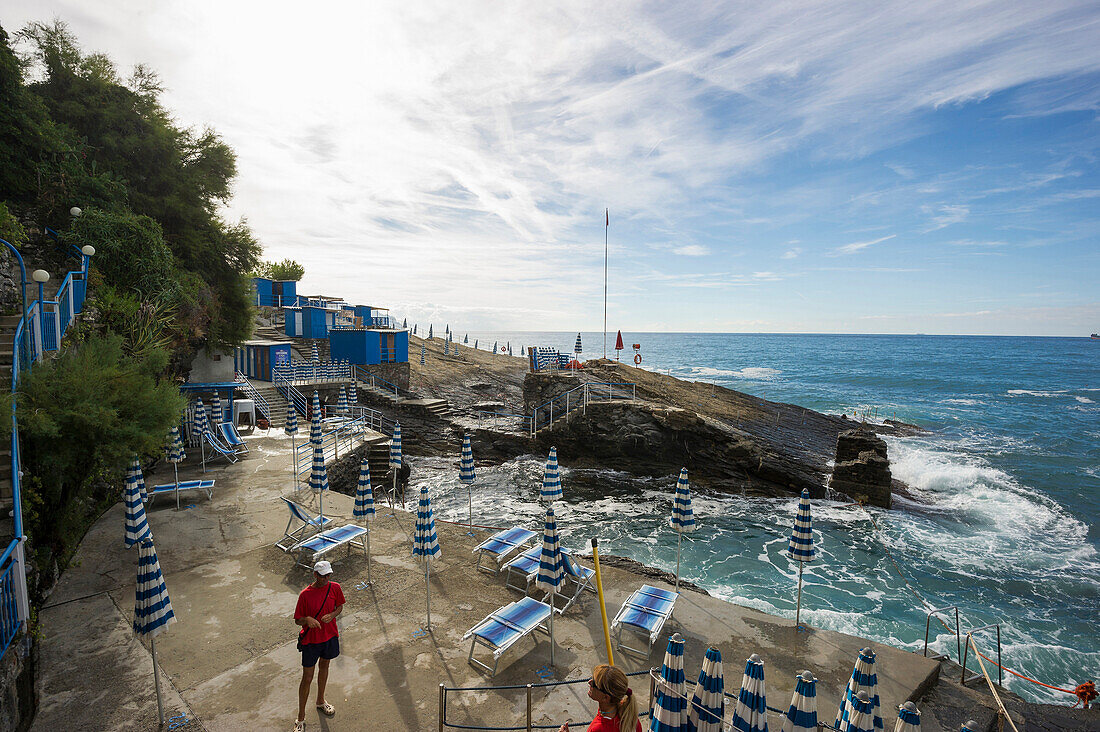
x,y
368,552
470,497
293,463
428,591
798,605
679,541
176,470
551,627
156,682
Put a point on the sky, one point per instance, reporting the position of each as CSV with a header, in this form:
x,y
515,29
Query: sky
x,y
856,167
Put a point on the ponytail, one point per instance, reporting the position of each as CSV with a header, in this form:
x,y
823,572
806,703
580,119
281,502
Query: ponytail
x,y
613,682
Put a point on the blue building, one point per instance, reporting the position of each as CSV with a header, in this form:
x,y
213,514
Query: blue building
x,y
254,359
274,293
367,346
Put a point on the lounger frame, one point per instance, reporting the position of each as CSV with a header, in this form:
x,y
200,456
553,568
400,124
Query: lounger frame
x,y
510,546
660,618
169,489
520,633
355,539
292,539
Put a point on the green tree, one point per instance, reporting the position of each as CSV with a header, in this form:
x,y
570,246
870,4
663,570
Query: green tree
x,y
285,270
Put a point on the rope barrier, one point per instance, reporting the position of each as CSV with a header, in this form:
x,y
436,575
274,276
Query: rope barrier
x,y
1081,692
992,686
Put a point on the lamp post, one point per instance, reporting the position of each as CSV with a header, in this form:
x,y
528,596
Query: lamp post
x,y
87,250
41,276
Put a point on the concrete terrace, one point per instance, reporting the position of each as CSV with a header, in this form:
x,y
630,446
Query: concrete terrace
x,y
230,660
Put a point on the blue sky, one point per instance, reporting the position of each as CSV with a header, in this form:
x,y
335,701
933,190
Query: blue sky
x,y
803,166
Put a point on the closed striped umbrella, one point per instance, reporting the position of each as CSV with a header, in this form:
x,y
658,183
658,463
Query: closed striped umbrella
x,y
475,344
908,718
173,453
494,347
290,427
863,678
152,607
423,351
551,572
802,714
315,419
425,543
801,547
466,339
467,475
217,410
364,504
314,355
447,328
861,716
395,458
342,401
683,518
577,345
750,714
353,394
199,426
708,703
405,323
670,712
318,473
431,332
551,478
447,348
414,328
137,527
509,348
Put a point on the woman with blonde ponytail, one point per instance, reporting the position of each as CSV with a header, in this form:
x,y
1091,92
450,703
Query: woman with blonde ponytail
x,y
618,711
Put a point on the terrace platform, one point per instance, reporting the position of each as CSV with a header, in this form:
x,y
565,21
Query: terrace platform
x,y
231,663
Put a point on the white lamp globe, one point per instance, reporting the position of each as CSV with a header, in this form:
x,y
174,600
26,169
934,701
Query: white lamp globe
x,y
40,275
75,211
87,250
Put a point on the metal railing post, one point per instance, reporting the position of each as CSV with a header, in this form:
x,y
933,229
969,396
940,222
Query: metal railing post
x,y
442,706
958,641
528,708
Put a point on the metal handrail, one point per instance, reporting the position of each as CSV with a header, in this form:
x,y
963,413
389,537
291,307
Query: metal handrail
x,y
361,374
969,639
587,395
927,624
253,394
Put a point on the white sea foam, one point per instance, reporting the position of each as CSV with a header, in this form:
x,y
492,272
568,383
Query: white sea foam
x,y
1084,400
757,373
1034,393
963,402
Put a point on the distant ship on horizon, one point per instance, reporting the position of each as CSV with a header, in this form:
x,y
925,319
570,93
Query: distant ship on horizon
x,y
1095,336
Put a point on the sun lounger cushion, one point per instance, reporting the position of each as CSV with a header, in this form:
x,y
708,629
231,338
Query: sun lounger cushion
x,y
501,544
231,437
219,447
646,610
526,565
320,544
206,486
501,629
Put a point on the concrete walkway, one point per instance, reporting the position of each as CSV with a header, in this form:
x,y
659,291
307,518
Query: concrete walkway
x,y
231,662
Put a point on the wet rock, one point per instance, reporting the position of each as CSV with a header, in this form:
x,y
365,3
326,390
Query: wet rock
x,y
862,468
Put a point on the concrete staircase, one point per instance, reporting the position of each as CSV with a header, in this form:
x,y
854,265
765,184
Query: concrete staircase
x,y
276,402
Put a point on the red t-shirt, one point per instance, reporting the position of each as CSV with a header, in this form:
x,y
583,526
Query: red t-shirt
x,y
309,605
608,724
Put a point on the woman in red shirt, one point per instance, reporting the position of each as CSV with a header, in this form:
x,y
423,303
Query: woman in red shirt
x,y
618,711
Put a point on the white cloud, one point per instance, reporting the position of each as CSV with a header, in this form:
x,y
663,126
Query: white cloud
x,y
692,250
859,245
792,253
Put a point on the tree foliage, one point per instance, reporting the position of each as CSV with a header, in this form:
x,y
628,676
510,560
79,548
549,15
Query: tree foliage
x,y
285,270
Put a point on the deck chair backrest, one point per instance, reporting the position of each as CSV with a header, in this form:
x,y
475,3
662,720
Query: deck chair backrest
x,y
299,513
230,434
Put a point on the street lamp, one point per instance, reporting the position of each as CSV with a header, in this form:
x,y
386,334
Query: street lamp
x,y
87,250
41,276
75,211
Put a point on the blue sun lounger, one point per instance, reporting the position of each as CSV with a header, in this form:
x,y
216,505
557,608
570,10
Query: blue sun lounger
x,y
502,629
307,520
526,567
644,612
232,439
169,489
501,544
209,438
317,546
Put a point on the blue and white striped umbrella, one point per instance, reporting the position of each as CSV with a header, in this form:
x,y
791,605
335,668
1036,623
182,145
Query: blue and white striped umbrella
x,y
577,345
863,678
551,573
750,714
173,453
466,339
447,328
670,712
509,348
342,401
969,726
423,351
861,716
364,496
431,333
494,347
551,479
414,328
446,348
683,518
405,323
353,394
466,473
314,355
708,703
395,446
152,608
425,543
315,419
199,425
137,527
801,546
217,410
290,426
908,718
802,714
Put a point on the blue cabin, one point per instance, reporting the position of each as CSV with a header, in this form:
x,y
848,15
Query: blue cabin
x,y
254,359
274,293
365,347
309,321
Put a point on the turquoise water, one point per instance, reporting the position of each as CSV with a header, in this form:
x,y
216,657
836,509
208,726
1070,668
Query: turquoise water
x,y
1005,526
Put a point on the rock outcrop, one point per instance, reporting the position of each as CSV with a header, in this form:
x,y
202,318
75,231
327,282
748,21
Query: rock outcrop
x,y
862,468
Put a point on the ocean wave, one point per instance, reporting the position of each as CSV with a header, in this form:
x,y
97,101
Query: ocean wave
x,y
1084,400
757,373
1036,393
964,402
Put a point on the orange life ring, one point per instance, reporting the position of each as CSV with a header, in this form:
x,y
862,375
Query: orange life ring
x,y
637,359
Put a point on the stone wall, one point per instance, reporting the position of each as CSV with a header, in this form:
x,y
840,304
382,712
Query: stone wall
x,y
862,468
395,373
17,701
212,368
538,389
10,299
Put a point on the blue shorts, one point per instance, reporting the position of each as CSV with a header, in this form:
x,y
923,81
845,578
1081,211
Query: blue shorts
x,y
328,650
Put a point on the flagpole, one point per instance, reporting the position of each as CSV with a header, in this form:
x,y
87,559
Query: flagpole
x,y
607,224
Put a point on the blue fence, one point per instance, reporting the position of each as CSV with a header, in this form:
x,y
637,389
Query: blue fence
x,y
40,330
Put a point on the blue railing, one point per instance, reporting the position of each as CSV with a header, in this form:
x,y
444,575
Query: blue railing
x,y
377,382
275,301
28,347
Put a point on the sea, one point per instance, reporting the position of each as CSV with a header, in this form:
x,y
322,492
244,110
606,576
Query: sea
x,y
1003,522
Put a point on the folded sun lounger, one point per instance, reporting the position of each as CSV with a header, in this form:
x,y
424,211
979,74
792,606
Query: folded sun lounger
x,y
307,520
317,546
502,629
501,544
205,486
644,612
232,439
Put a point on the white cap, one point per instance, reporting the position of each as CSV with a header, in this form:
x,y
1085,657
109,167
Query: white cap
x,y
322,568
